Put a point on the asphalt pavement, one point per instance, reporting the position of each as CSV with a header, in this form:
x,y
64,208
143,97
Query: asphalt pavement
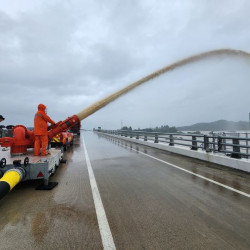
x,y
142,195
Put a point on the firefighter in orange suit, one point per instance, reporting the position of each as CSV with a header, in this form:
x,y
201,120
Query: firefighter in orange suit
x,y
41,130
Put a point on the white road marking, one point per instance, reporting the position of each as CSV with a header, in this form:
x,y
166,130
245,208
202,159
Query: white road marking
x,y
107,238
200,176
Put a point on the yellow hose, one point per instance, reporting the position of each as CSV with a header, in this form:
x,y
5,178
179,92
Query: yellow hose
x,y
12,178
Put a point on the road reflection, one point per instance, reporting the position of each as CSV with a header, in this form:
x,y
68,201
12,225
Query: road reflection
x,y
207,170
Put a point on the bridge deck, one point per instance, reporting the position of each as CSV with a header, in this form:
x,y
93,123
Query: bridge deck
x,y
150,203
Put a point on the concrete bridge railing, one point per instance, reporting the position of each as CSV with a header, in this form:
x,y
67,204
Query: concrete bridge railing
x,y
224,149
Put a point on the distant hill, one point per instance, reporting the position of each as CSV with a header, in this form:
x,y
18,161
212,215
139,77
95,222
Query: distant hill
x,y
221,125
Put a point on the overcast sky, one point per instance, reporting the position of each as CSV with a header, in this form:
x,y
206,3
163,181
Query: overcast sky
x,y
69,54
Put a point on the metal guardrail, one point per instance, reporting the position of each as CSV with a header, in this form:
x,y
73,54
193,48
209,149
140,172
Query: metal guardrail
x,y
231,144
4,132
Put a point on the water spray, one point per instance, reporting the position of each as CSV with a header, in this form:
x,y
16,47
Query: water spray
x,y
102,103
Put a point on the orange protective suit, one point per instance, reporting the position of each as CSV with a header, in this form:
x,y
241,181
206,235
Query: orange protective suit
x,y
41,130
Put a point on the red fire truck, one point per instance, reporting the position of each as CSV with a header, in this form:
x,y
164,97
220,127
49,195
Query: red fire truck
x,y
64,139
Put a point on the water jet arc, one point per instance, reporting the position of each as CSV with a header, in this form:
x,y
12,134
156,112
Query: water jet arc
x,y
103,102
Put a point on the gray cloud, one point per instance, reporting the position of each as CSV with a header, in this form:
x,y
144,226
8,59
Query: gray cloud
x,y
68,55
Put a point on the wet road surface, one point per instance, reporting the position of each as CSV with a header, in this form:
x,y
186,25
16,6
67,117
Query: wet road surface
x,y
148,204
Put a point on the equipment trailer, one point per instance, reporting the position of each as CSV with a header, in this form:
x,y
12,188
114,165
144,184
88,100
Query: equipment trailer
x,y
18,163
27,167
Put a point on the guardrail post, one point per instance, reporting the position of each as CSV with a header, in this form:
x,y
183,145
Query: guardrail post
x,y
219,143
171,140
214,144
145,137
156,138
194,143
247,143
224,147
206,144
236,149
137,136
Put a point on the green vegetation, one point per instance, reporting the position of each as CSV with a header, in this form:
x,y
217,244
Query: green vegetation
x,y
127,128
221,125
165,129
